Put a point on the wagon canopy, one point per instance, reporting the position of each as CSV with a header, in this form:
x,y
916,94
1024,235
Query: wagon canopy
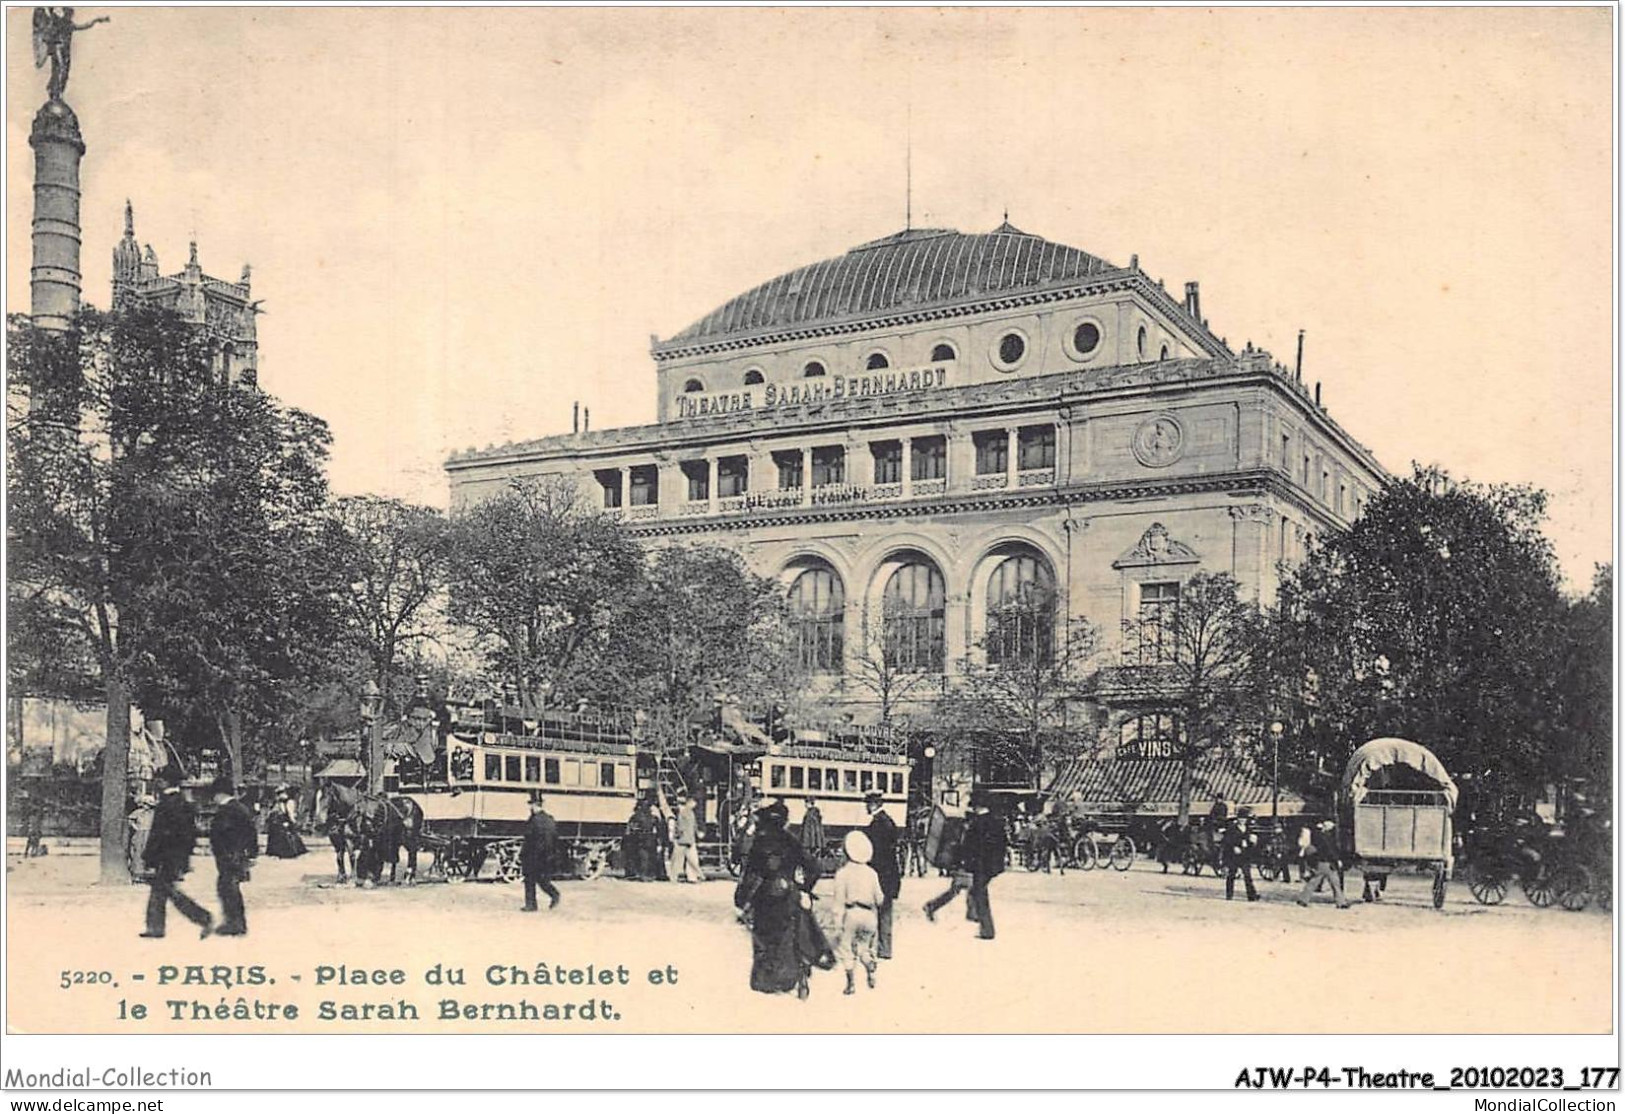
x,y
1380,759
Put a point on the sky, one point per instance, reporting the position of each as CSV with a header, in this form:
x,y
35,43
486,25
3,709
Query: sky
x,y
463,220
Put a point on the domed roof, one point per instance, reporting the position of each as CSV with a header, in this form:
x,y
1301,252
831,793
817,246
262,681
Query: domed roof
x,y
909,270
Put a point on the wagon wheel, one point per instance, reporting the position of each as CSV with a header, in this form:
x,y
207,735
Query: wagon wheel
x,y
1439,885
1122,853
1538,889
1087,852
1573,886
1489,889
507,854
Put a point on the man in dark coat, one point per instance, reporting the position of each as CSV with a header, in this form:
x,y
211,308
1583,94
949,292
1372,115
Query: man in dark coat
x,y
1239,846
811,838
536,856
235,845
169,856
882,833
638,846
1325,860
981,859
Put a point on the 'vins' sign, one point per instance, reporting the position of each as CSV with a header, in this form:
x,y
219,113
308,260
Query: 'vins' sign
x,y
823,389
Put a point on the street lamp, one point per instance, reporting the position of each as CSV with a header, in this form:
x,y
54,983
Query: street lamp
x,y
1276,730
372,703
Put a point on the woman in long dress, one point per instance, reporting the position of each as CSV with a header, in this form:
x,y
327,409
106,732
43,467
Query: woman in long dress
x,y
768,895
281,836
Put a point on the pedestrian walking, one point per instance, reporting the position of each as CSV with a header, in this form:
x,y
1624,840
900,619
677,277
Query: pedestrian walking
x,y
235,845
769,900
1325,860
537,854
685,850
981,859
35,828
168,854
882,833
812,838
1239,847
857,896
641,843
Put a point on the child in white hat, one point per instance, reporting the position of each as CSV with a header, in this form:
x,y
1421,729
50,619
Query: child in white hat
x,y
858,896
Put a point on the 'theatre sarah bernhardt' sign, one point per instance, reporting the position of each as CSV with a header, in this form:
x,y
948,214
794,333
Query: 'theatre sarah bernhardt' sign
x,y
774,396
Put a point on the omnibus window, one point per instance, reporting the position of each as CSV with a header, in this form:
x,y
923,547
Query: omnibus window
x,y
815,778
851,781
589,773
775,776
797,777
868,780
606,774
493,767
510,771
550,766
572,772
623,775
832,779
533,768
897,785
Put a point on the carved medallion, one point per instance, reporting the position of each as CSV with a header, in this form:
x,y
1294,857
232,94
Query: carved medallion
x,y
1159,441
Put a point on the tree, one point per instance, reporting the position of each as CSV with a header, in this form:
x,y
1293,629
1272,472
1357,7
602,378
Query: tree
x,y
1585,689
157,526
1437,618
1200,658
393,560
538,578
1021,703
887,672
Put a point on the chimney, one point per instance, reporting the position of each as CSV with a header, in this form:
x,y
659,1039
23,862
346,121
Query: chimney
x,y
586,419
575,417
1317,392
1193,301
1299,373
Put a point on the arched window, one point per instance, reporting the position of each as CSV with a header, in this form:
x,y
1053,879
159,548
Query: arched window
x,y
818,611
1020,611
914,619
693,386
943,353
877,360
1164,354
1139,342
752,377
813,370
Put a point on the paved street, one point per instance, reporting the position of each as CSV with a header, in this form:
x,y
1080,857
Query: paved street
x,y
1093,952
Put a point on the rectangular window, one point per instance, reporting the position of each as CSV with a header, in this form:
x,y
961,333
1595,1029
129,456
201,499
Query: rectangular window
x,y
928,458
1159,615
992,452
589,775
493,767
850,780
832,779
789,469
897,785
1325,485
733,476
510,768
828,466
606,774
815,778
1286,453
697,473
1035,447
572,772
867,781
888,461
645,485
775,779
550,770
798,777
610,480
1342,497
623,775
533,768
1305,470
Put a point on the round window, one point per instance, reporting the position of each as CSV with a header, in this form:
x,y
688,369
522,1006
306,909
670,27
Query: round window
x,y
1086,338
1011,348
813,370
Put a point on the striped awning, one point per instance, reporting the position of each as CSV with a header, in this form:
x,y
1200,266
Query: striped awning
x,y
1150,786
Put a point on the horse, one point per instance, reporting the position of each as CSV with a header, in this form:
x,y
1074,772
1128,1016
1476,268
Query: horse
x,y
336,815
382,827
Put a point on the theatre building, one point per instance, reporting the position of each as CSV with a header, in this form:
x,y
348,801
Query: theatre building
x,y
909,434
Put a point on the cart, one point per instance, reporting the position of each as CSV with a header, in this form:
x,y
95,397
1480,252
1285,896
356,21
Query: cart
x,y
1396,803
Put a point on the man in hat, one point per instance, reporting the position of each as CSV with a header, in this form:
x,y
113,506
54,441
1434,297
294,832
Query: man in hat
x,y
1239,845
168,855
857,897
685,844
882,833
981,859
235,845
1325,861
537,855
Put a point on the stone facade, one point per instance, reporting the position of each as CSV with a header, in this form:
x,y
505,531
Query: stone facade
x,y
1116,443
